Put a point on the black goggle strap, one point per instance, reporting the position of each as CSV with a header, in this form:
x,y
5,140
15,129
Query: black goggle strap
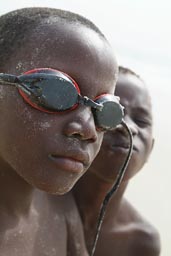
x,y
114,188
8,79
13,80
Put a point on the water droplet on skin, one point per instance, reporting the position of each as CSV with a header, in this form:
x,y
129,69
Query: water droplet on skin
x,y
19,66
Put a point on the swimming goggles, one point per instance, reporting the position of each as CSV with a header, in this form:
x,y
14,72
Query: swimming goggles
x,y
53,91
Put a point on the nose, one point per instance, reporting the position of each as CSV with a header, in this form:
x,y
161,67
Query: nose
x,y
81,124
131,124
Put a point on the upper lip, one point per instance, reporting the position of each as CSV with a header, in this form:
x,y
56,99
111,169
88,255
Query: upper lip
x,y
121,142
123,145
79,156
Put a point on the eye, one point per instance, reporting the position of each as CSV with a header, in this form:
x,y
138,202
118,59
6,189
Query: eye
x,y
143,122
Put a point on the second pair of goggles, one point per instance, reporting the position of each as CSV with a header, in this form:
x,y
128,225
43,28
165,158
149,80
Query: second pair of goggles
x,y
53,91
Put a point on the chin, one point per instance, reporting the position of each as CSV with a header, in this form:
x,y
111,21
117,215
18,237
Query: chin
x,y
130,173
56,189
60,191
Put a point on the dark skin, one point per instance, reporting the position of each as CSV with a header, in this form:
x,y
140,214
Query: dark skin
x,y
124,231
37,218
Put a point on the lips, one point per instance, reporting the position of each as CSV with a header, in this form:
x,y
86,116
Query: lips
x,y
122,146
73,163
118,143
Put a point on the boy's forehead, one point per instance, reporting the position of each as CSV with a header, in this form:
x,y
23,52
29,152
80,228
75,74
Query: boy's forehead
x,y
131,84
133,90
74,49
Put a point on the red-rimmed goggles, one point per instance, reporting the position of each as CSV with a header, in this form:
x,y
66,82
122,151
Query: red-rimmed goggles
x,y
53,91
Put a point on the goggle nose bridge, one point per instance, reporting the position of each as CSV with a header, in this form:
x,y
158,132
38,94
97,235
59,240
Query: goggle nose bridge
x,y
84,100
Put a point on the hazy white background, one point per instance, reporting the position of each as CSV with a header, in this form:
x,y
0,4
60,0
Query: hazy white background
x,y
139,31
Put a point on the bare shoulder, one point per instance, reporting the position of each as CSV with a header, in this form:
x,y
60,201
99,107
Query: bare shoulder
x,y
129,234
143,236
64,224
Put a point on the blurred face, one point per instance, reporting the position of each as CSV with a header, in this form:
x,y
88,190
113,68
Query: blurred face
x,y
52,151
138,116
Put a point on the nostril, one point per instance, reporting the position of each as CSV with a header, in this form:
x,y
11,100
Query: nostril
x,y
131,124
82,135
81,129
73,129
75,135
94,138
121,129
133,127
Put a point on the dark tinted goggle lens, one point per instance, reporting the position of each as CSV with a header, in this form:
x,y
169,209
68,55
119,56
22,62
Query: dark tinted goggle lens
x,y
49,91
112,113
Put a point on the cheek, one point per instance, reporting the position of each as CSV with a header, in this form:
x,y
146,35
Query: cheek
x,y
21,129
147,141
96,147
140,157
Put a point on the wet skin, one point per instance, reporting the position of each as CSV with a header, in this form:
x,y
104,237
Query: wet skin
x,y
49,152
72,137
123,225
138,116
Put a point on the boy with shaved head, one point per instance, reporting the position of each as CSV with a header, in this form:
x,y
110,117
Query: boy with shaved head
x,y
124,231
57,73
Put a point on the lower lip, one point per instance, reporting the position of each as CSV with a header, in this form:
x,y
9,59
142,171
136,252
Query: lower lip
x,y
67,164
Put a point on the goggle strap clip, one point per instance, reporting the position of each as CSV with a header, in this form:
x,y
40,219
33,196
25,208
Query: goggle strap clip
x,y
84,100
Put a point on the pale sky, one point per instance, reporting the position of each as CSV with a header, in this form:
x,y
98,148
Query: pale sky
x,y
139,32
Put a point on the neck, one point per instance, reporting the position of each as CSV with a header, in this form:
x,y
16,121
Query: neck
x,y
89,197
15,193
89,194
